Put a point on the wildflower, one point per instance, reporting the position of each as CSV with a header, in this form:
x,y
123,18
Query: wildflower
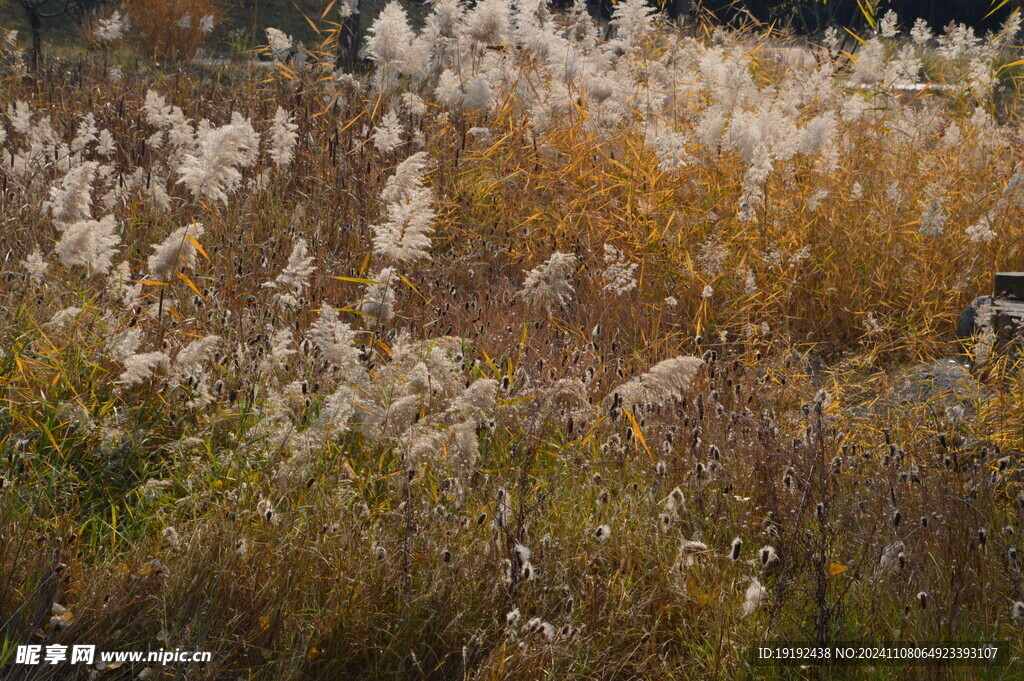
x,y
1017,611
512,616
206,24
380,552
620,274
707,293
922,599
547,285
603,532
737,545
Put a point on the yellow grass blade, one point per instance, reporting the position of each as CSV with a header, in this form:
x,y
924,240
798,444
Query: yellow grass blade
x,y
356,280
188,282
197,246
637,432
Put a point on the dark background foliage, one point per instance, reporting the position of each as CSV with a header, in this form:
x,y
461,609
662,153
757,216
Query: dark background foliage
x,y
815,15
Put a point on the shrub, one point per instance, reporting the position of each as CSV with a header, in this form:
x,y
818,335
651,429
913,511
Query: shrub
x,y
172,29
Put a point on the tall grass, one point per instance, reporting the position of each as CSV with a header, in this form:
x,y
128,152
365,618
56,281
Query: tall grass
x,y
221,508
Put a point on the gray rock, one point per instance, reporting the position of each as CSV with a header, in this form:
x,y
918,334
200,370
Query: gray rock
x,y
967,325
945,385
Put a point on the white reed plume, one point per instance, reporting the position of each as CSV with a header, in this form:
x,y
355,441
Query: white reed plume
x,y
548,285
393,47
295,276
665,381
337,410
478,400
754,180
176,250
408,177
405,235
139,367
283,137
71,200
490,22
192,356
632,21
378,297
388,135
215,166
89,243
110,29
35,266
279,42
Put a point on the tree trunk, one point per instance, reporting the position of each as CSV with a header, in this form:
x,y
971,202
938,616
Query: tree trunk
x,y
348,39
35,21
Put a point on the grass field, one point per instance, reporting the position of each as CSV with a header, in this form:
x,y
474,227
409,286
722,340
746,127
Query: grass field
x,y
521,355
